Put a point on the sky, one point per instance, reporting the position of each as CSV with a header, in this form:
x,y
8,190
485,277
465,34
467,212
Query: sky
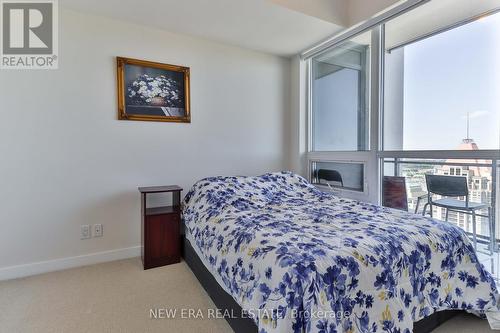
x,y
448,76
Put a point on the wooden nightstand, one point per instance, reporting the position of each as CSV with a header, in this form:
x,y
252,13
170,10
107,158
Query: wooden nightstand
x,y
160,228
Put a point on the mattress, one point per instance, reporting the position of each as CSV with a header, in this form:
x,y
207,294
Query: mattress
x,y
300,260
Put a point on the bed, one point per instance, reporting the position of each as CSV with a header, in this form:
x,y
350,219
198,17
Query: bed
x,y
294,259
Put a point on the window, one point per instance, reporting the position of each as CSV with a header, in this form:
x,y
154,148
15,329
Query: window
x,y
339,118
439,95
441,92
342,175
340,82
441,103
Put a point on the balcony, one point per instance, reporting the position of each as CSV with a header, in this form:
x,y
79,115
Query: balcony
x,y
482,180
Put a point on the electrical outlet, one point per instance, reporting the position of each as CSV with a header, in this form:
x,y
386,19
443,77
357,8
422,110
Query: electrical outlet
x,y
85,231
97,230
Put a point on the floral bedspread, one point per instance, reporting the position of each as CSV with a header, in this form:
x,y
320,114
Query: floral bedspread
x,y
301,260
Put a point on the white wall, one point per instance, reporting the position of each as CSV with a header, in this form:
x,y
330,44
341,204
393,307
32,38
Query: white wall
x,y
361,10
344,13
334,11
66,160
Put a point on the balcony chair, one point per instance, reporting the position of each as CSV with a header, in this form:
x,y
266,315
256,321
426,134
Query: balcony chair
x,y
450,188
330,176
419,199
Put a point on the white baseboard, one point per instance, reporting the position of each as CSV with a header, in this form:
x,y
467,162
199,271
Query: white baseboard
x,y
13,272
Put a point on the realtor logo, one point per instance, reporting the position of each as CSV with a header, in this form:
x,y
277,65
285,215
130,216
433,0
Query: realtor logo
x,y
29,34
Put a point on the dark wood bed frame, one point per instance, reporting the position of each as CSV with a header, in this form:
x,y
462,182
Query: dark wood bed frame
x,y
227,304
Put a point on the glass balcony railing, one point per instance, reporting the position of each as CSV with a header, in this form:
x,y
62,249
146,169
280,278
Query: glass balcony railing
x,y
481,177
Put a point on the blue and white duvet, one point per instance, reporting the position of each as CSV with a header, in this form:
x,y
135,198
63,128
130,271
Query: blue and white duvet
x,y
301,260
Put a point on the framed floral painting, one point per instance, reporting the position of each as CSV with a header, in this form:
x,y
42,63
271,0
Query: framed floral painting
x,y
152,91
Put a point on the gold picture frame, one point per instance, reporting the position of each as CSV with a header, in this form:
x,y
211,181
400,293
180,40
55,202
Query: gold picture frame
x,y
152,91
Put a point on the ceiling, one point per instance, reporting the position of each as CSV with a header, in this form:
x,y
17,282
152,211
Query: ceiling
x,y
260,25
281,27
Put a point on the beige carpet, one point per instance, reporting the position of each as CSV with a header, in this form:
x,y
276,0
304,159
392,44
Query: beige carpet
x,y
118,296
